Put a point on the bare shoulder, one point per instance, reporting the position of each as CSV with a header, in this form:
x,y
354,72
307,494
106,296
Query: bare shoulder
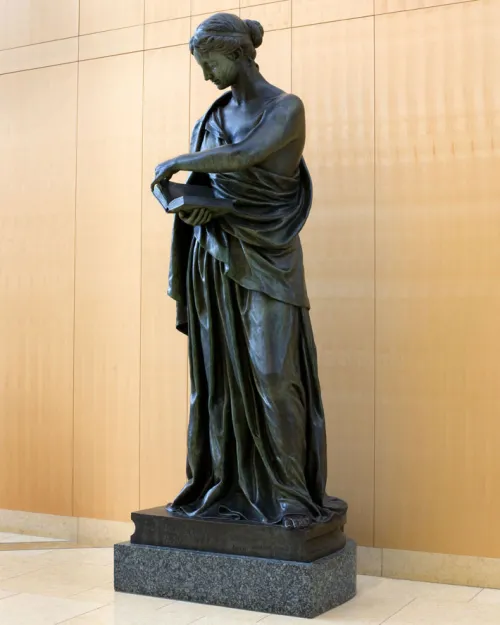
x,y
291,103
289,109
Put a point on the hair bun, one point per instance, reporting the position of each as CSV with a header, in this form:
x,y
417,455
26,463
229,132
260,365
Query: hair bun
x,y
256,32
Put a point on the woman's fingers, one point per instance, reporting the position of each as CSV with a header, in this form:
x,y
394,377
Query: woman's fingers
x,y
200,214
198,217
206,217
190,218
161,174
157,180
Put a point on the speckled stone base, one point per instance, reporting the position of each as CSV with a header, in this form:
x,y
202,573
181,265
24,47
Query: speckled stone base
x,y
302,589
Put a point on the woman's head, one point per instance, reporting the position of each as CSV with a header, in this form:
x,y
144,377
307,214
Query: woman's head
x,y
221,43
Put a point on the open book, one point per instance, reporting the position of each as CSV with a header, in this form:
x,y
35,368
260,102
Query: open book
x,y
176,198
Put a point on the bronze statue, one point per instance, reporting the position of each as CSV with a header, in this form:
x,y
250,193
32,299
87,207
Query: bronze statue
x,y
256,441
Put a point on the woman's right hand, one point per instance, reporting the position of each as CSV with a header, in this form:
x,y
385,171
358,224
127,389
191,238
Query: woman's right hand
x,y
164,171
197,217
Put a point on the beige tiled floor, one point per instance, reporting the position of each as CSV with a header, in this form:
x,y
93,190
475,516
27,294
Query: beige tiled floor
x,y
75,587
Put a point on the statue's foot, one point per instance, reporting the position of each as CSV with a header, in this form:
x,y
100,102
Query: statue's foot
x,y
296,522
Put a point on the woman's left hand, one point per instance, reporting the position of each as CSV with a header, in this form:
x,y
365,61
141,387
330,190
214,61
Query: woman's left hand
x,y
164,172
197,217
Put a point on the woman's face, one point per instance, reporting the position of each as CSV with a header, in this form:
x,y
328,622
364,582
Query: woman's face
x,y
218,68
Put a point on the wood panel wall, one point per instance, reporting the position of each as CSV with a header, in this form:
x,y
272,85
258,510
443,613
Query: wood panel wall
x,y
37,257
339,246
108,286
402,253
437,279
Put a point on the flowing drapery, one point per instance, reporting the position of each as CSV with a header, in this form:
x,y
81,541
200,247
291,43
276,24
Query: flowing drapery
x,y
256,440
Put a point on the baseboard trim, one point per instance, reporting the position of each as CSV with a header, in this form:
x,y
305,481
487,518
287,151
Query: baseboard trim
x,y
369,561
88,532
441,568
36,524
429,567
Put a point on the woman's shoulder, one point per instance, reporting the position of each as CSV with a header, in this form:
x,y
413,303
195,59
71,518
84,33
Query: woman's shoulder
x,y
291,102
287,104
277,97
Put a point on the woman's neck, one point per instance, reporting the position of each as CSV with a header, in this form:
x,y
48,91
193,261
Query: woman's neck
x,y
250,84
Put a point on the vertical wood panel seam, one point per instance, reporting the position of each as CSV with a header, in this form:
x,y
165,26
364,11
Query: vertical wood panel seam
x,y
74,262
291,47
374,496
141,252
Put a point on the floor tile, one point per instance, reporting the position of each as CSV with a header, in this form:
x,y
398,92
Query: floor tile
x,y
487,597
64,580
125,615
412,590
362,610
425,612
28,609
136,604
31,553
208,612
222,619
95,556
13,567
102,594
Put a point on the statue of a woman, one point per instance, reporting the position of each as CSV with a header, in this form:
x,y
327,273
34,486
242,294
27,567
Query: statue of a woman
x,y
256,441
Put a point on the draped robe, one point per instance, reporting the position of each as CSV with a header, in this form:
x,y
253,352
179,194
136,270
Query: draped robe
x,y
256,437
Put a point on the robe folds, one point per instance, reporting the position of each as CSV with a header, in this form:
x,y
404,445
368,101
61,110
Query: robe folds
x,y
256,436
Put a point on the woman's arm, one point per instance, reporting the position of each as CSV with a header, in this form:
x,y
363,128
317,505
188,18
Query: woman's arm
x,y
282,125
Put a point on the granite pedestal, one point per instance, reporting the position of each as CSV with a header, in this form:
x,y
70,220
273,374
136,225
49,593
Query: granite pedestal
x,y
301,589
268,569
